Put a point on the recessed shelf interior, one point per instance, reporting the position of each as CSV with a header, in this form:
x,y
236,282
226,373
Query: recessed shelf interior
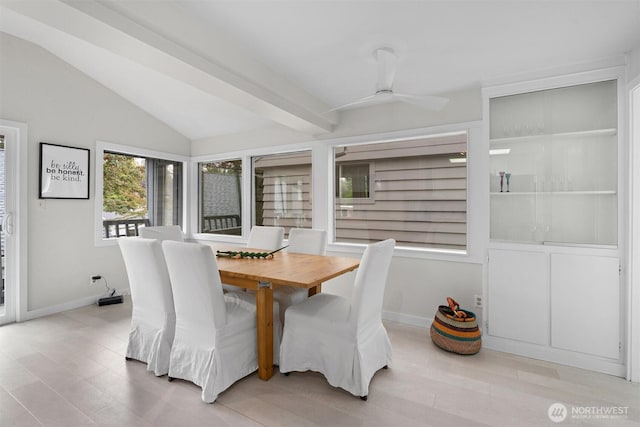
x,y
556,152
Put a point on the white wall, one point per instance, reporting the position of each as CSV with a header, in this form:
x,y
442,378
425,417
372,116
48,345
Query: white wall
x,y
463,106
63,106
416,286
634,303
633,64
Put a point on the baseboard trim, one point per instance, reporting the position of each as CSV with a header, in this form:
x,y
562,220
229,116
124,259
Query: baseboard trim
x,y
537,352
555,355
70,305
407,319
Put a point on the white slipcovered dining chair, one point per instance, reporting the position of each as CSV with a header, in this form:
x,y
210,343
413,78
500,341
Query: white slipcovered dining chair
x,y
163,232
343,339
264,237
153,315
303,241
215,340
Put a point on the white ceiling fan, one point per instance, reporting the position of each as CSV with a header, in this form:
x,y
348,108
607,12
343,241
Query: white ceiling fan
x,y
386,61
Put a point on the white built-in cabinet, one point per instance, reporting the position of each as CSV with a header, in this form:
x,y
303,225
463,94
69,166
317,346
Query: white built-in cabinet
x,y
553,282
518,295
585,304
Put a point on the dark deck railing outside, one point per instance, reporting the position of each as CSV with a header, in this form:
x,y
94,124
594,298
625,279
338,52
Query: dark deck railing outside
x,y
224,224
123,227
229,224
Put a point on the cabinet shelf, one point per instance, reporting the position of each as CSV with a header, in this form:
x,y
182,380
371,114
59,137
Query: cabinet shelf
x,y
562,170
525,138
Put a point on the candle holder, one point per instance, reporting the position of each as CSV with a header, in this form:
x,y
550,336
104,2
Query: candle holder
x,y
508,176
501,181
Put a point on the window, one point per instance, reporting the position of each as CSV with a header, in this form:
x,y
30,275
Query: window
x,y
353,181
220,185
139,191
412,190
282,190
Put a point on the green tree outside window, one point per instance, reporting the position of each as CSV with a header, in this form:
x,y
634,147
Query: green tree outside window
x,y
124,189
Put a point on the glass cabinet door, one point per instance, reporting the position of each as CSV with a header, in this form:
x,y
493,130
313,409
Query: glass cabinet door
x,y
553,165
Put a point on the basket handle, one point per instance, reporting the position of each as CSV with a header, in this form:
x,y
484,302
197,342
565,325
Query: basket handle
x,y
455,307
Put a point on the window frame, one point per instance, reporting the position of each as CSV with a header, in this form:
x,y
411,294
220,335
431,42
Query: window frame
x,y
247,215
253,174
195,225
101,148
322,152
194,197
372,191
477,192
472,131
154,212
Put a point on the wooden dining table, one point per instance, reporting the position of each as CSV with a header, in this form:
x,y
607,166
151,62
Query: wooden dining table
x,y
284,269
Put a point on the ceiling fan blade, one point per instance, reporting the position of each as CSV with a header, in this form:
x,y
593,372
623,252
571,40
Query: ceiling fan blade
x,y
386,59
367,100
428,102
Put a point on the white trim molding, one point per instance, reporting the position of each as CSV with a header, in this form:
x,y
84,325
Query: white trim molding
x,y
20,263
323,196
69,305
633,277
101,147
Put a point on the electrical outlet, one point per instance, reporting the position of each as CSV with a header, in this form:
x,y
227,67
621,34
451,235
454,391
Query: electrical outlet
x,y
477,301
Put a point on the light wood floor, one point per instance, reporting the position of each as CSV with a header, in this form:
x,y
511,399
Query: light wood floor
x,y
69,369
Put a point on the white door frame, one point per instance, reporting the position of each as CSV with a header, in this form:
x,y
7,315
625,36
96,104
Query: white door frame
x,y
16,217
633,323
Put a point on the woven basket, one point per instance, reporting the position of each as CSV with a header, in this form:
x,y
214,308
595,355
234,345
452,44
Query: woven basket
x,y
456,330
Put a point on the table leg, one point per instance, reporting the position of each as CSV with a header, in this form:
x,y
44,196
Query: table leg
x,y
315,290
264,313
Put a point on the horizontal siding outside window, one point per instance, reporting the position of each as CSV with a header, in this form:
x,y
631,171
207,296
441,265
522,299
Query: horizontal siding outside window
x,y
282,190
418,194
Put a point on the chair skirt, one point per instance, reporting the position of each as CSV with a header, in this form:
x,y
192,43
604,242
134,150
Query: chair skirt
x,y
150,344
318,337
214,359
248,301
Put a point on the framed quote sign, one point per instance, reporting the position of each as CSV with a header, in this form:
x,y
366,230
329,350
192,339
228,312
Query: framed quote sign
x,y
64,172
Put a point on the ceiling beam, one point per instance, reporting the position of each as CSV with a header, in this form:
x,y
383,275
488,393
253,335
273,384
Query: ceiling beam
x,y
109,29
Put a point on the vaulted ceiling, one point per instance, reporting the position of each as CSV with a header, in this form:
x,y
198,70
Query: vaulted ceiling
x,y
209,68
